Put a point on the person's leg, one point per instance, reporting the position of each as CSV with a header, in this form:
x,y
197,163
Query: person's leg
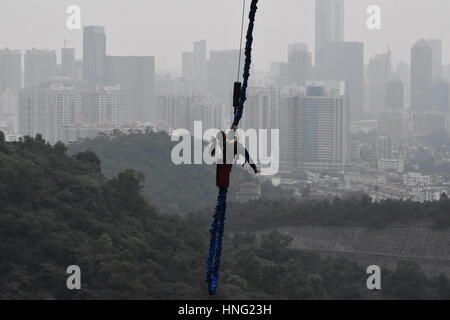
x,y
250,162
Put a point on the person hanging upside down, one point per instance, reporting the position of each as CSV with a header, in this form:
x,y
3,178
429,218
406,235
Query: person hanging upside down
x,y
223,169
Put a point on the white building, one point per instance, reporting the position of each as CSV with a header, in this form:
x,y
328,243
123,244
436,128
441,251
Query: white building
x,y
364,179
428,193
314,128
61,113
396,165
415,178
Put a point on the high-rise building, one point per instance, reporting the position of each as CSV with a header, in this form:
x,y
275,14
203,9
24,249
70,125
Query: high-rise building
x,y
279,72
403,73
380,71
40,66
35,116
421,76
329,24
181,109
441,96
394,124
262,109
165,110
101,108
66,109
94,55
136,78
314,128
62,113
299,64
68,63
436,53
222,73
344,61
194,66
10,69
9,110
382,147
425,123
394,95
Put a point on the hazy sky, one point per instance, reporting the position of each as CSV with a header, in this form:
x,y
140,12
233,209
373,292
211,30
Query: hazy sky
x,y
165,28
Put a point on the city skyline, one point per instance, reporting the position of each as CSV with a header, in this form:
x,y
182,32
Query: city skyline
x,y
277,31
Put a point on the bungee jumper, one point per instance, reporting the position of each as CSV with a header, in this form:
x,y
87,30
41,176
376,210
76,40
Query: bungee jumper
x,y
224,168
230,147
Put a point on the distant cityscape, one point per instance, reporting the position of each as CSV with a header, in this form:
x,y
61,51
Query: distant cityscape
x,y
346,126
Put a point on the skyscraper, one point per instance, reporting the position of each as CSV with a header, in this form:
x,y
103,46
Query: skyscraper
x,y
10,69
394,95
222,73
136,78
436,53
62,113
394,124
344,61
262,109
314,127
299,64
94,55
382,147
35,116
329,24
194,66
68,63
441,97
403,73
40,66
421,76
279,72
380,72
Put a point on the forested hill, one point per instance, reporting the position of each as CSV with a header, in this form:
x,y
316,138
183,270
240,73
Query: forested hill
x,y
170,187
58,210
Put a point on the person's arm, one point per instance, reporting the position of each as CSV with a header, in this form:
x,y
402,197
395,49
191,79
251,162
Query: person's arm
x,y
212,147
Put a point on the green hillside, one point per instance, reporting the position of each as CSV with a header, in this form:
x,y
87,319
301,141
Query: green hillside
x,y
58,210
170,187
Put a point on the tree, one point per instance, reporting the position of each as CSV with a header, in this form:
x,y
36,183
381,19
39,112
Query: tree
x,y
90,158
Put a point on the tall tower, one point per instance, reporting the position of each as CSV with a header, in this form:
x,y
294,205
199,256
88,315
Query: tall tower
x,y
94,55
344,61
436,52
194,66
40,66
421,76
329,24
299,64
10,70
136,78
314,127
68,62
380,72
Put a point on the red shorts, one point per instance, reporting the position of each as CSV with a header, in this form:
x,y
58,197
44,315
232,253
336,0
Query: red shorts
x,y
223,172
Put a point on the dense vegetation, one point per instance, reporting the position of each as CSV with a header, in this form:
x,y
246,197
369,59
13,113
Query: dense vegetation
x,y
267,214
57,211
171,188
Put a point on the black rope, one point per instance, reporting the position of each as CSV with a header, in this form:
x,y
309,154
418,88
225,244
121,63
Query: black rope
x,y
218,225
240,43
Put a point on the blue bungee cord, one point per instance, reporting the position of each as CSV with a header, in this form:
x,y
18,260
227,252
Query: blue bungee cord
x,y
218,225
